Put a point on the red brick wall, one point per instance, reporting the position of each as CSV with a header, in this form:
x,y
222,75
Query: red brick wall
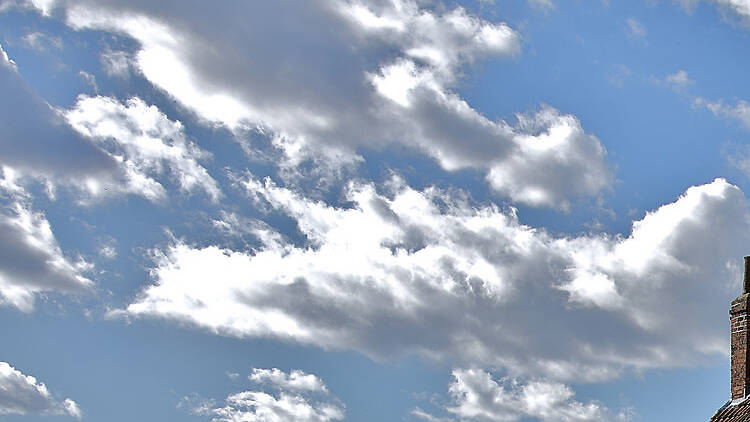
x,y
738,318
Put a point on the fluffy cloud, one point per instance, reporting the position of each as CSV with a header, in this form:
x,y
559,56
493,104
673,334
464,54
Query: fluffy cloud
x,y
31,260
478,397
294,401
295,380
431,273
21,394
99,147
384,73
145,142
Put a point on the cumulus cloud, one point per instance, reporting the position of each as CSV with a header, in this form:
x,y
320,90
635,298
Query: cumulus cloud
x,y
145,142
431,273
99,147
31,261
385,73
21,394
477,396
294,402
295,380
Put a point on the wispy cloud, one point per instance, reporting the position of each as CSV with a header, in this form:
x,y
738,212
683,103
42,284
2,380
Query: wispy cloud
x,y
636,29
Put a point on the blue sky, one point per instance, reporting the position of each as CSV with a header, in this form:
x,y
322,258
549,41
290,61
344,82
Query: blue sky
x,y
371,210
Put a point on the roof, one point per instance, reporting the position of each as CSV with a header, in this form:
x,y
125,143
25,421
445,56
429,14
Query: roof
x,y
733,411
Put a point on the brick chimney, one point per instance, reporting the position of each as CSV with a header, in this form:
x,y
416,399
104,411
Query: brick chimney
x,y
738,318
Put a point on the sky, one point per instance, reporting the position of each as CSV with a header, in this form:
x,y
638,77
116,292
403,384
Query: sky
x,y
371,210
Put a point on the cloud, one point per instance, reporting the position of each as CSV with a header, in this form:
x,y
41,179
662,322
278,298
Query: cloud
x,y
739,112
89,80
478,397
21,394
99,147
294,402
739,8
619,75
433,274
737,156
51,149
636,29
679,80
734,10
295,380
385,74
687,5
544,5
31,260
42,42
145,142
116,63
421,414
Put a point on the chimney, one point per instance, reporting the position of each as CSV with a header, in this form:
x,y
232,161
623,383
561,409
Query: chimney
x,y
738,318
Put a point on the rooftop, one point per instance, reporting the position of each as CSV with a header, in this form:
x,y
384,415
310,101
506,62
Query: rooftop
x,y
733,411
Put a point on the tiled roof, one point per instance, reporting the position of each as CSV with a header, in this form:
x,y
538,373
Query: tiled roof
x,y
739,412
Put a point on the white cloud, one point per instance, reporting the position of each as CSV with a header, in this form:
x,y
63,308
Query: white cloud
x,y
6,61
737,156
432,274
89,80
293,403
687,5
544,5
262,407
41,41
385,73
50,150
111,148
735,10
116,63
295,380
636,29
478,397
421,414
108,248
740,8
31,260
740,111
45,7
678,80
21,394
145,142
